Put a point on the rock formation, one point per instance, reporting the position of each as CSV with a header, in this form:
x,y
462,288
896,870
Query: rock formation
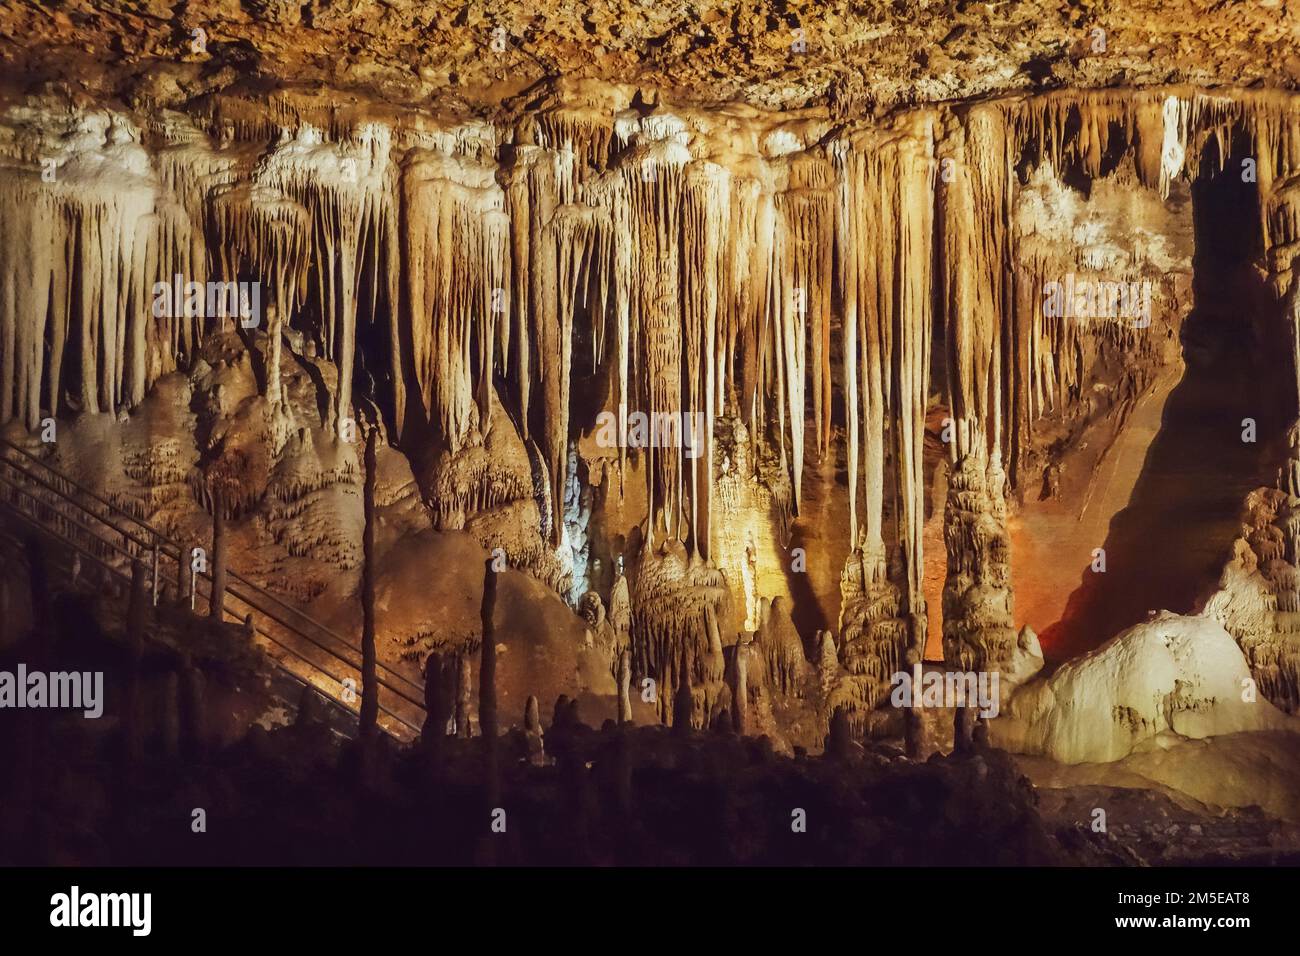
x,y
1170,677
1259,592
645,308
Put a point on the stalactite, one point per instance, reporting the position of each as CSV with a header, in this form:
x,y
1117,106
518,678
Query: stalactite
x,y
699,260
347,190
651,191
911,356
579,240
804,252
885,234
847,278
78,241
452,208
973,218
706,213
264,233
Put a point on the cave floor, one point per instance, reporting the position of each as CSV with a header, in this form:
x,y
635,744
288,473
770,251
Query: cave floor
x,y
1223,800
1166,829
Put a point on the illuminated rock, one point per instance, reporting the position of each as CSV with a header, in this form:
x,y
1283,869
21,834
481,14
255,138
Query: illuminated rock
x,y
1169,678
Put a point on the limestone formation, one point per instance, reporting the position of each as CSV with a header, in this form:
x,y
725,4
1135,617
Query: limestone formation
x,y
1259,597
759,353
1171,677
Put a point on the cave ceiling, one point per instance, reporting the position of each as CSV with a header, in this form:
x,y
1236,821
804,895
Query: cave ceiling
x,y
849,58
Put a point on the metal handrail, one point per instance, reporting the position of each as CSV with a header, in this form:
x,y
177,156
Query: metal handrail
x,y
114,509
231,592
159,548
126,578
177,554
325,629
413,692
228,613
71,519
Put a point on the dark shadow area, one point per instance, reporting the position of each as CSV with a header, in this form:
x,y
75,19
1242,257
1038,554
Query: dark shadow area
x,y
1167,547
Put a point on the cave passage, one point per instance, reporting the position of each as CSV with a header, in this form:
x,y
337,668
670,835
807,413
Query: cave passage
x,y
1165,549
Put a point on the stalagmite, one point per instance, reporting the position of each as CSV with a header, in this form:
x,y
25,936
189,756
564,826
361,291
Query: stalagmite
x,y
624,687
169,715
440,675
839,738
741,693
679,608
217,597
1258,601
683,709
369,716
979,632
464,694
133,708
533,732
487,686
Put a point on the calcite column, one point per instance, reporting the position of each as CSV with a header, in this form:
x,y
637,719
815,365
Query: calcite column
x,y
979,631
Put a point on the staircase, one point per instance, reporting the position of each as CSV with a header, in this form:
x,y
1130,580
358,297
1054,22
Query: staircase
x,y
86,527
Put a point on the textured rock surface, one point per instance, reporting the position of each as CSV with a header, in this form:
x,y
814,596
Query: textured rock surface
x,y
1170,678
856,56
825,233
1259,595
828,254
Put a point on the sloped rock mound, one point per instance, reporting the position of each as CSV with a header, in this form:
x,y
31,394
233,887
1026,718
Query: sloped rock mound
x,y
1170,677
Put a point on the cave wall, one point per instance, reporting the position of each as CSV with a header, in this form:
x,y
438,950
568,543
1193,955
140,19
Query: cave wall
x,y
471,278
